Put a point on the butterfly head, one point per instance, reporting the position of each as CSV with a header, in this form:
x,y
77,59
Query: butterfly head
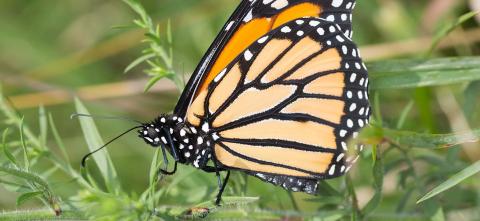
x,y
158,131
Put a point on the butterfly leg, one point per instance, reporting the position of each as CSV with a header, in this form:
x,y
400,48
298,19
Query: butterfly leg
x,y
165,159
222,187
164,171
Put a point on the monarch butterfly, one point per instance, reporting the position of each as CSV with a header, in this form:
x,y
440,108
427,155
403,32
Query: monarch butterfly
x,y
277,95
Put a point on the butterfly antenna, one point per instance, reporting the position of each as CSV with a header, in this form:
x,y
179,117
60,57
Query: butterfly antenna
x,y
84,159
77,115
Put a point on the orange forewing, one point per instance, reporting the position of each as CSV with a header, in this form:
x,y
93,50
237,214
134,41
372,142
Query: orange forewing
x,y
247,33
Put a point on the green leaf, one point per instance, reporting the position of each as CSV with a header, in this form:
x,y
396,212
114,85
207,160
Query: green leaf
x,y
449,28
452,181
152,82
410,139
404,114
138,61
26,175
138,8
7,153
26,161
378,171
413,73
57,138
27,196
94,141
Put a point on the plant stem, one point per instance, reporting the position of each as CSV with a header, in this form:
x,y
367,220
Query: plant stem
x,y
40,215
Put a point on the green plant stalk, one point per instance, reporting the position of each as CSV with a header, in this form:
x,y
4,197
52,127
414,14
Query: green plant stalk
x,y
40,215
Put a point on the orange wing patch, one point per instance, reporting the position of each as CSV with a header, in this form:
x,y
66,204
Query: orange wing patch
x,y
225,88
332,84
316,162
271,51
327,61
330,110
297,11
310,133
295,55
197,109
247,33
228,159
254,101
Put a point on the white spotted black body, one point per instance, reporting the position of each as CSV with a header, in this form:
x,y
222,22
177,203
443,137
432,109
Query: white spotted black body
x,y
191,145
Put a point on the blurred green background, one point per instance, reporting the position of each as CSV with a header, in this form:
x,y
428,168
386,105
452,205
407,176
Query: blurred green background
x,y
51,51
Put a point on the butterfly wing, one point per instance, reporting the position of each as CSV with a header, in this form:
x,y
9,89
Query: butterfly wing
x,y
288,103
252,19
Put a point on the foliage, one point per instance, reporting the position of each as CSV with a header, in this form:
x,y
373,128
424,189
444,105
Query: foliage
x,y
416,165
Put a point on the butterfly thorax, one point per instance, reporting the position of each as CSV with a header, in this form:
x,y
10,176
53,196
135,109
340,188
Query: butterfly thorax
x,y
186,143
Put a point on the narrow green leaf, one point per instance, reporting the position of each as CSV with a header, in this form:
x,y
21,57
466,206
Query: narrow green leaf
x,y
94,141
375,134
7,153
404,114
17,187
26,161
448,28
378,171
452,181
413,73
26,175
420,140
27,196
138,61
152,82
138,8
57,138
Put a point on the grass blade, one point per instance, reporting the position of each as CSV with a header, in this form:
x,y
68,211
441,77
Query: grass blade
x,y
26,161
409,139
138,61
57,138
452,181
413,73
94,141
7,153
447,29
378,171
404,114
